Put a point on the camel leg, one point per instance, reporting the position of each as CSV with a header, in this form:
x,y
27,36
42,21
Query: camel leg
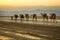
x,y
51,20
36,18
15,19
21,19
47,19
27,19
55,21
43,19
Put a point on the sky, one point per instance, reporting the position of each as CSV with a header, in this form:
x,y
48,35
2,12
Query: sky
x,y
21,3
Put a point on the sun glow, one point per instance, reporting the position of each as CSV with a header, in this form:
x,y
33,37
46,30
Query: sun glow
x,y
18,3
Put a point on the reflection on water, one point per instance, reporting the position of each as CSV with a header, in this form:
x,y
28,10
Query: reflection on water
x,y
20,34
30,10
9,35
5,38
39,21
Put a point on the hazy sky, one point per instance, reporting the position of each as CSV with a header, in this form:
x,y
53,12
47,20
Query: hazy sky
x,y
20,3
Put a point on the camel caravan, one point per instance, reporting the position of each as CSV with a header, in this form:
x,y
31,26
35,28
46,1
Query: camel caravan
x,y
26,17
52,17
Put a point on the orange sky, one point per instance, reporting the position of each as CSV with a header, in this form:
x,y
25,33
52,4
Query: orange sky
x,y
20,3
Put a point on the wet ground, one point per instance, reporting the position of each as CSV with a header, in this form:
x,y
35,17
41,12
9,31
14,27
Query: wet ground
x,y
29,30
31,21
21,31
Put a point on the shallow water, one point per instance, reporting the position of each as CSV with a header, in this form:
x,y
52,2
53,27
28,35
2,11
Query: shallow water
x,y
22,35
31,21
9,35
30,10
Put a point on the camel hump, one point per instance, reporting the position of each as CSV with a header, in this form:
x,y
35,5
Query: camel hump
x,y
21,15
16,16
54,14
34,15
27,15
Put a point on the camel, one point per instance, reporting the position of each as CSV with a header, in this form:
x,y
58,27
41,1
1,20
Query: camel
x,y
21,17
16,16
53,17
27,17
34,16
44,16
